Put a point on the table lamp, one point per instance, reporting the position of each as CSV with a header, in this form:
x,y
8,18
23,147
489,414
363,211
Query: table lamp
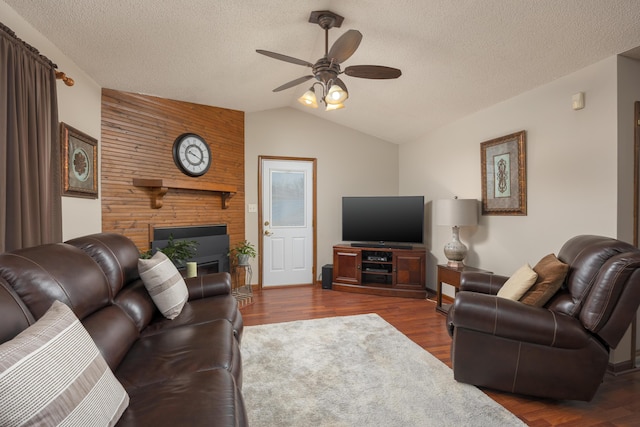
x,y
456,213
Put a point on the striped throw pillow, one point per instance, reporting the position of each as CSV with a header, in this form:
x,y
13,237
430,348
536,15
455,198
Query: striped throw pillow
x,y
164,283
53,374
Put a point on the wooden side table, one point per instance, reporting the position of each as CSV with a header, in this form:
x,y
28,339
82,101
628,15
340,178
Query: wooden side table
x,y
450,276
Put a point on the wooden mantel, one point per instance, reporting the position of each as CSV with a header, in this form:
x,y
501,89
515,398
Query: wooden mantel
x,y
160,186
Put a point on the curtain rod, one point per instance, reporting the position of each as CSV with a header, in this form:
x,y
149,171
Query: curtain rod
x,y
59,74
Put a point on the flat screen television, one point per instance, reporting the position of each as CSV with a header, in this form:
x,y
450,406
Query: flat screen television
x,y
392,221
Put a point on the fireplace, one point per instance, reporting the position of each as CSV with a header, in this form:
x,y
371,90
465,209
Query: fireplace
x,y
212,251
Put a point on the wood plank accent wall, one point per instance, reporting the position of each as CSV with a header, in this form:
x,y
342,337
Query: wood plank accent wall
x,y
138,132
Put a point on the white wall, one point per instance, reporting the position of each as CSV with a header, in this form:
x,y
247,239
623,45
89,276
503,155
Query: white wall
x,y
579,170
572,174
349,163
79,107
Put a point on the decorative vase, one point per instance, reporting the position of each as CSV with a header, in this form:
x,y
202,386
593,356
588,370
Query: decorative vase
x,y
455,250
243,259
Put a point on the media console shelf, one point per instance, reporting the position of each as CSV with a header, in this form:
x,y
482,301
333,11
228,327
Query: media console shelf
x,y
380,271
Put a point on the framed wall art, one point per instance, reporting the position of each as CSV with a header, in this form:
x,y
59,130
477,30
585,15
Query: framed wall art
x,y
504,175
79,163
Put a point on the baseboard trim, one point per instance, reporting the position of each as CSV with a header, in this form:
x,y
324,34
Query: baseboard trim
x,y
445,298
621,368
301,285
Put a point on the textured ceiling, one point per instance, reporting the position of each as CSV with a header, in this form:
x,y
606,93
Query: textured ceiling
x,y
456,56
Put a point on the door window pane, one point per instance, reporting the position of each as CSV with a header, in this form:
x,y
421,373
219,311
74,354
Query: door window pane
x,y
287,199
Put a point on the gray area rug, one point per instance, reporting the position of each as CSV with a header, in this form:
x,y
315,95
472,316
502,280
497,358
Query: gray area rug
x,y
354,371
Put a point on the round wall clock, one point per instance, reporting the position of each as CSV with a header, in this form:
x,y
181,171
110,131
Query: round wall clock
x,y
192,154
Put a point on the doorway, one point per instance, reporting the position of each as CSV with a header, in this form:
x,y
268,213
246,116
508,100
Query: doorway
x,y
287,221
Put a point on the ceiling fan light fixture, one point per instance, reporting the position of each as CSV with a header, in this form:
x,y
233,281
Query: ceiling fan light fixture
x,y
327,69
336,95
331,107
308,99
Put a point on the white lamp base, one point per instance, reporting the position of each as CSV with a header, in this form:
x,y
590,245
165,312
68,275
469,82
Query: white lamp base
x,y
455,250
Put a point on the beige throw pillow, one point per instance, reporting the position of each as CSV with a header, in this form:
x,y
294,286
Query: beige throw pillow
x,y
551,273
164,283
52,373
518,283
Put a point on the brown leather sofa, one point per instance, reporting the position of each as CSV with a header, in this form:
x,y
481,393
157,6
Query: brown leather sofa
x,y
560,350
185,371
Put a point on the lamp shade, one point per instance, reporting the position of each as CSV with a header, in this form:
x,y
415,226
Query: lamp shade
x,y
336,95
457,212
332,107
309,99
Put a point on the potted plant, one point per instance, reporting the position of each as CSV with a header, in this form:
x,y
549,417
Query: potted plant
x,y
243,251
178,251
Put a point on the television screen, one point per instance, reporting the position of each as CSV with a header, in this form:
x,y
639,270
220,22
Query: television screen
x,y
382,219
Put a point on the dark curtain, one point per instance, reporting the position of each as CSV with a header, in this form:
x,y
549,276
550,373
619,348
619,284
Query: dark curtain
x,y
30,189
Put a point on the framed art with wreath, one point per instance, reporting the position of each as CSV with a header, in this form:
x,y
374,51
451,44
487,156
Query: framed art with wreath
x,y
79,163
504,177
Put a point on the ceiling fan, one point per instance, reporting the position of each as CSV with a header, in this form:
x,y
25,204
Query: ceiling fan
x,y
327,69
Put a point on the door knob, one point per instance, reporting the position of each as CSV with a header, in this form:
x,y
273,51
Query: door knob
x,y
267,233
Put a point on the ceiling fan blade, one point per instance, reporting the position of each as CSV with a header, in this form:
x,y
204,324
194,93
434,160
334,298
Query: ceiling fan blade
x,y
372,72
285,58
345,46
293,83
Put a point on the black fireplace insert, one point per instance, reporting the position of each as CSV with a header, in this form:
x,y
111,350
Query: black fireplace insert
x,y
212,250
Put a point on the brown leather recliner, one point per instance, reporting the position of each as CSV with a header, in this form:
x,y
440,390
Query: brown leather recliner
x,y
558,351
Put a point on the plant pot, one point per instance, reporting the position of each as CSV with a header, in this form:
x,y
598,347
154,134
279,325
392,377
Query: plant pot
x,y
243,259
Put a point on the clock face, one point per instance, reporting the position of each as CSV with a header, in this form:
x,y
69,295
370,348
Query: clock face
x,y
192,154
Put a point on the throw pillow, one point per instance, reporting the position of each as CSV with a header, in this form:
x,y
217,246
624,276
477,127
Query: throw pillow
x,y
164,283
551,273
52,373
518,283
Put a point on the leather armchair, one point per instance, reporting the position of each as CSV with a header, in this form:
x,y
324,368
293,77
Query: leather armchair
x,y
558,351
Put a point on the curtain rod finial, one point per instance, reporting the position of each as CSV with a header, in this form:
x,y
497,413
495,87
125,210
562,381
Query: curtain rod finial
x,y
67,80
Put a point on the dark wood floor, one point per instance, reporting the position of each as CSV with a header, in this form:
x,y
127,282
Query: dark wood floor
x,y
617,402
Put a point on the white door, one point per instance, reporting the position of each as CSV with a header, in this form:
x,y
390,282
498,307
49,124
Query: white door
x,y
287,212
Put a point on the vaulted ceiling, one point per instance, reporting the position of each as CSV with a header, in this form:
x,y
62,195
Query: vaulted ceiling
x,y
456,56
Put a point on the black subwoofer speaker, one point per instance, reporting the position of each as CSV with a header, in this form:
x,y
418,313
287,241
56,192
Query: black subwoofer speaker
x,y
327,276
